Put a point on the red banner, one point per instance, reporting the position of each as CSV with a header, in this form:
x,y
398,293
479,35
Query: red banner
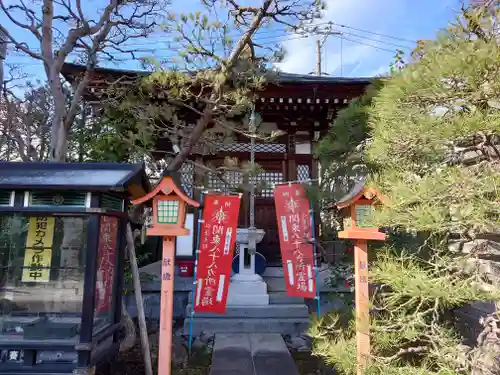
x,y
294,224
217,239
106,259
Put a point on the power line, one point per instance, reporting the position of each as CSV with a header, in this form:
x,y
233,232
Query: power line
x,y
366,44
374,33
174,43
274,39
375,40
271,40
277,39
173,58
168,57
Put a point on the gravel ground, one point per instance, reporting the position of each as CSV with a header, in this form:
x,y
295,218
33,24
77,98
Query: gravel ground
x,y
310,365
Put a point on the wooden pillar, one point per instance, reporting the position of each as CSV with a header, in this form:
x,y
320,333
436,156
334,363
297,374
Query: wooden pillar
x,y
244,221
315,175
362,301
198,181
292,165
166,306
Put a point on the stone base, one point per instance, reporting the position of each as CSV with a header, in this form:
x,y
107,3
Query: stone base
x,y
299,311
283,326
247,289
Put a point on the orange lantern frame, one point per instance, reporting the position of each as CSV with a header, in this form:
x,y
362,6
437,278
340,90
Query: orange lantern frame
x,y
167,190
365,197
360,196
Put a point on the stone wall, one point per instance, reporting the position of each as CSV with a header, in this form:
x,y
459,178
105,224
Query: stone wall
x,y
151,297
485,254
478,322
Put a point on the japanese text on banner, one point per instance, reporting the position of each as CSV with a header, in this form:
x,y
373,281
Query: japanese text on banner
x,y
38,253
106,258
217,239
294,223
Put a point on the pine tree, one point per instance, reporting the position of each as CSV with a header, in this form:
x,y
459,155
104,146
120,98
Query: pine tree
x,y
434,153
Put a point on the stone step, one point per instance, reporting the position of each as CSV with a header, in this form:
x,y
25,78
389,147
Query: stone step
x,y
232,355
273,272
275,298
275,284
247,325
281,298
271,356
268,311
251,354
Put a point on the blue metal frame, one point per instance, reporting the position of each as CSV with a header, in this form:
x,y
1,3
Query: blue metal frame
x,y
316,268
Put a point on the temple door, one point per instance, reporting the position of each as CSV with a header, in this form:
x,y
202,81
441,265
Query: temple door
x,y
265,211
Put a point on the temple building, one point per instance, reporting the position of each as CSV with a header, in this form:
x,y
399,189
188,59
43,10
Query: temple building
x,y
303,107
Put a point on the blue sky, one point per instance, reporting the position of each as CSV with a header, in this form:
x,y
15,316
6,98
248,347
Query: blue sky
x,y
402,19
362,51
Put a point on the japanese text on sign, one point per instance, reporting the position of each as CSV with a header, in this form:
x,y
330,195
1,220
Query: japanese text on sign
x,y
217,239
167,270
106,259
294,223
38,253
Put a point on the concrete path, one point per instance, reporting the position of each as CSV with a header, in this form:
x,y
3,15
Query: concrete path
x,y
251,354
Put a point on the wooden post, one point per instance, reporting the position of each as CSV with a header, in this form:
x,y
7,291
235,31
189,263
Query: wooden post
x,y
143,331
356,206
362,300
168,227
166,306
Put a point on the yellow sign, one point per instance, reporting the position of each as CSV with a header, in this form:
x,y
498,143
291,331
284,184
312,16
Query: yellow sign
x,y
38,253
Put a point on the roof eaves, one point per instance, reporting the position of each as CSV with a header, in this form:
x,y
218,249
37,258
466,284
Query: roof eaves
x,y
281,77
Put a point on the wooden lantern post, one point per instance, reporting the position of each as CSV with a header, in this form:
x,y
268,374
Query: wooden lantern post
x,y
169,215
356,207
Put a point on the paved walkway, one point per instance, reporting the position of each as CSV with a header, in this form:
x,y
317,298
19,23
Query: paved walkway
x,y
251,354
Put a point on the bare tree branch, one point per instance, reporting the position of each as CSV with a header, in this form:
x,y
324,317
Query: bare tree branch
x,y
115,24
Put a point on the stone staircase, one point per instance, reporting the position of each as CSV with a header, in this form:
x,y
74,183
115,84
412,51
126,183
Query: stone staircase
x,y
283,315
251,354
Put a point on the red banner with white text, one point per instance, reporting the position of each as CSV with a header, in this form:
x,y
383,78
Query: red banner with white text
x,y
294,224
106,259
217,240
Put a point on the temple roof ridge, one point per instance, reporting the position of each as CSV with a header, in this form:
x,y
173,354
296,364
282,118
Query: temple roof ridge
x,y
281,77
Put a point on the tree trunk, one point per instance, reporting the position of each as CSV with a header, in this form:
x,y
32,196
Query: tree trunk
x,y
58,132
3,55
197,132
81,135
128,341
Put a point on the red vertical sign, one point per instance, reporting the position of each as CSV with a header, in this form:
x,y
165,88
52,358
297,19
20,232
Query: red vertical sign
x,y
294,223
106,259
217,239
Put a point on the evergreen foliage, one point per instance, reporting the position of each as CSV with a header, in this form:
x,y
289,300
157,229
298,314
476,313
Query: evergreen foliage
x,y
341,150
434,153
204,96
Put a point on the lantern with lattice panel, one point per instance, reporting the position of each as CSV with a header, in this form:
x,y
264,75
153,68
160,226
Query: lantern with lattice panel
x,y
356,208
169,203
